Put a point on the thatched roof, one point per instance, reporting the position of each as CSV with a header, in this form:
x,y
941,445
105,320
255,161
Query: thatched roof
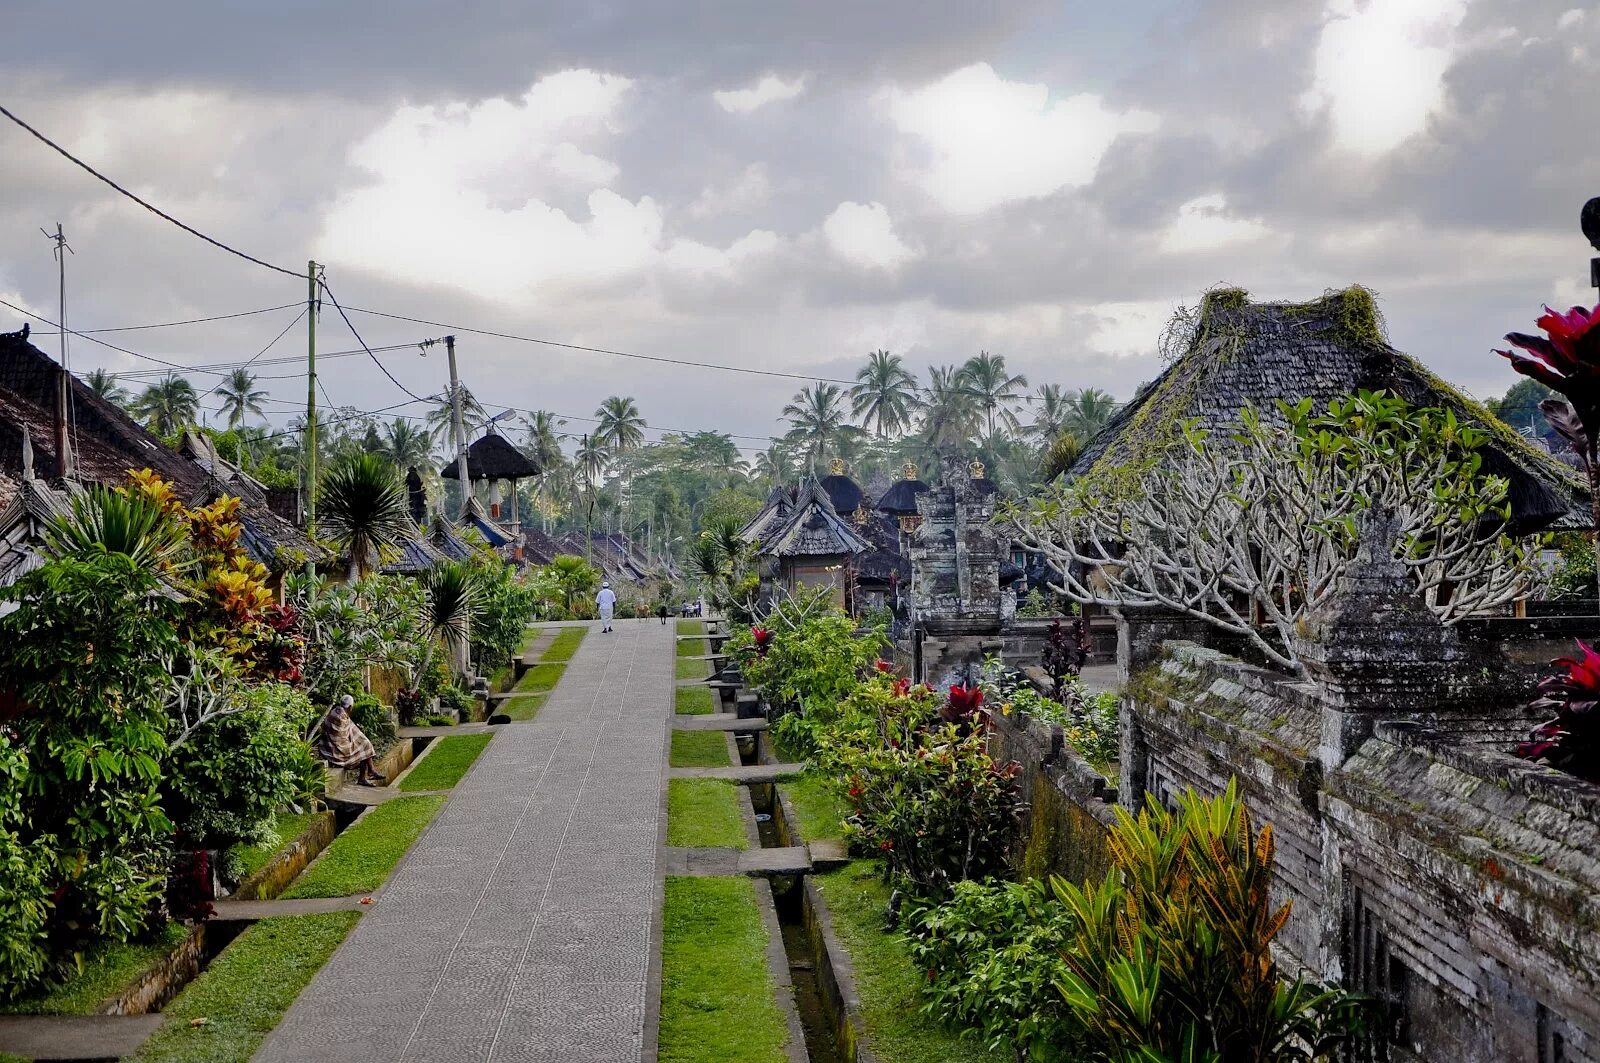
x,y
814,529
772,516
1245,353
494,458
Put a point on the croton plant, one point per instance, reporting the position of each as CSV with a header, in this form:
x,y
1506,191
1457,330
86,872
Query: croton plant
x,y
1570,741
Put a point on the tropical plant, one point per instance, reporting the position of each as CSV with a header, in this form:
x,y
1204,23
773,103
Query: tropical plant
x,y
816,421
361,506
240,396
1086,412
405,446
108,521
885,395
1049,414
450,587
575,581
775,465
1059,457
1571,740
1170,956
620,426
440,418
985,379
105,385
168,406
27,871
949,416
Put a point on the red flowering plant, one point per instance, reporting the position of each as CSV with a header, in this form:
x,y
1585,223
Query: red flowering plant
x,y
963,708
762,638
1570,741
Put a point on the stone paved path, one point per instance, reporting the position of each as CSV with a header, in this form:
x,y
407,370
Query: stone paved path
x,y
521,926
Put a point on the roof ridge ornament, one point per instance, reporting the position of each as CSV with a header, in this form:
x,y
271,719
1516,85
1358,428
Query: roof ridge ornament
x,y
837,466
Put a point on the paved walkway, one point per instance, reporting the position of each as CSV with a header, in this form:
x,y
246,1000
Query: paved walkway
x,y
521,926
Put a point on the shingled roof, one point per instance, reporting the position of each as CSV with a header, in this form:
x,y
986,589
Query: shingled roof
x,y
1245,353
494,458
773,515
814,529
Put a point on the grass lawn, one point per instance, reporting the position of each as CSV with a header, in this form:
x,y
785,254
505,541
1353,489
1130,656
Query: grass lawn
x,y
446,763
694,701
816,804
691,627
246,990
501,679
523,708
692,648
361,858
717,1003
704,813
290,825
700,749
107,970
690,669
565,645
540,678
888,983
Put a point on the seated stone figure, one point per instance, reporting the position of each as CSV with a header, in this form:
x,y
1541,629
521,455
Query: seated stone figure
x,y
337,740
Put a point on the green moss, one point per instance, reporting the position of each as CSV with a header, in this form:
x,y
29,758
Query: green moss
x,y
890,987
704,813
502,678
717,998
1223,299
699,749
107,970
289,826
688,668
524,708
693,701
539,679
565,645
445,763
361,858
246,990
817,804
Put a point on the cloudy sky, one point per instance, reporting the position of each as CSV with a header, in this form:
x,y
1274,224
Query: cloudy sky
x,y
788,186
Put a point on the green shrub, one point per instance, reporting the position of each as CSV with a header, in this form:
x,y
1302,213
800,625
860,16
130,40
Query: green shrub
x,y
375,721
26,870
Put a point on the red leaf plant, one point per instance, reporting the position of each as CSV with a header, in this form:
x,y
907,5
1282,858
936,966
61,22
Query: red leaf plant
x,y
1570,741
763,639
883,666
963,706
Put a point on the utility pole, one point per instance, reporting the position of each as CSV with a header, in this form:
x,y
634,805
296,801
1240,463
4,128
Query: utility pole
x,y
311,394
457,426
63,433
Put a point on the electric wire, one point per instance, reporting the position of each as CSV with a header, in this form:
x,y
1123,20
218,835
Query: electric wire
x,y
187,321
351,326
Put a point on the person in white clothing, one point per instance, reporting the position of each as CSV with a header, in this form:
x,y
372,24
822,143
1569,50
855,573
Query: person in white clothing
x,y
607,601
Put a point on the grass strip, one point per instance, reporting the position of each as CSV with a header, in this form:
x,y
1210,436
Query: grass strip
x,y
692,648
446,763
361,858
888,984
700,749
524,708
108,969
565,645
502,677
693,701
539,679
692,669
691,627
246,990
817,805
717,1000
704,813
289,826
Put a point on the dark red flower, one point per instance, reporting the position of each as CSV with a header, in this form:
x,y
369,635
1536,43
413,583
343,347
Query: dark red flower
x,y
1582,678
882,665
902,686
1566,358
763,639
963,702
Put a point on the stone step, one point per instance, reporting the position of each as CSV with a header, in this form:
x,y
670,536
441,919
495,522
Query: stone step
x,y
828,853
748,775
440,732
376,795
719,721
81,1037
754,862
253,910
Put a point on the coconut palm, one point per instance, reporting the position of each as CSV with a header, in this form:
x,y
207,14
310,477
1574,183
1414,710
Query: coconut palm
x,y
817,421
473,417
168,406
950,416
885,398
775,465
1087,411
620,428
240,397
405,446
1049,414
361,506
984,377
543,442
105,386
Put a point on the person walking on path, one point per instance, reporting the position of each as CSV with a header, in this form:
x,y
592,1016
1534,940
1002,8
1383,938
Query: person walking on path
x,y
607,601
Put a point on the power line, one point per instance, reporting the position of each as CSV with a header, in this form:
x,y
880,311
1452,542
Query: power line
x,y
157,211
270,344
351,326
189,321
103,343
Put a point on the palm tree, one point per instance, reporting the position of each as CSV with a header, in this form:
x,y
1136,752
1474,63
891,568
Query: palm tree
x,y
473,417
886,396
775,465
591,459
950,416
620,428
816,419
1049,414
405,446
984,377
361,506
712,450
544,437
240,397
105,386
450,587
1087,411
168,405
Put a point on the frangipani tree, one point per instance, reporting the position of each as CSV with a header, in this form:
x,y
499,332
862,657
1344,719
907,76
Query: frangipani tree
x,y
1252,531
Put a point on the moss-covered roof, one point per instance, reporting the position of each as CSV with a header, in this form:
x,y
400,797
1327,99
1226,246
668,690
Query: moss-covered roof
x,y
1244,353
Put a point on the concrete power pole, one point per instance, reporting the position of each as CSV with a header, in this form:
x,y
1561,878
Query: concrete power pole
x,y
457,426
311,395
63,418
